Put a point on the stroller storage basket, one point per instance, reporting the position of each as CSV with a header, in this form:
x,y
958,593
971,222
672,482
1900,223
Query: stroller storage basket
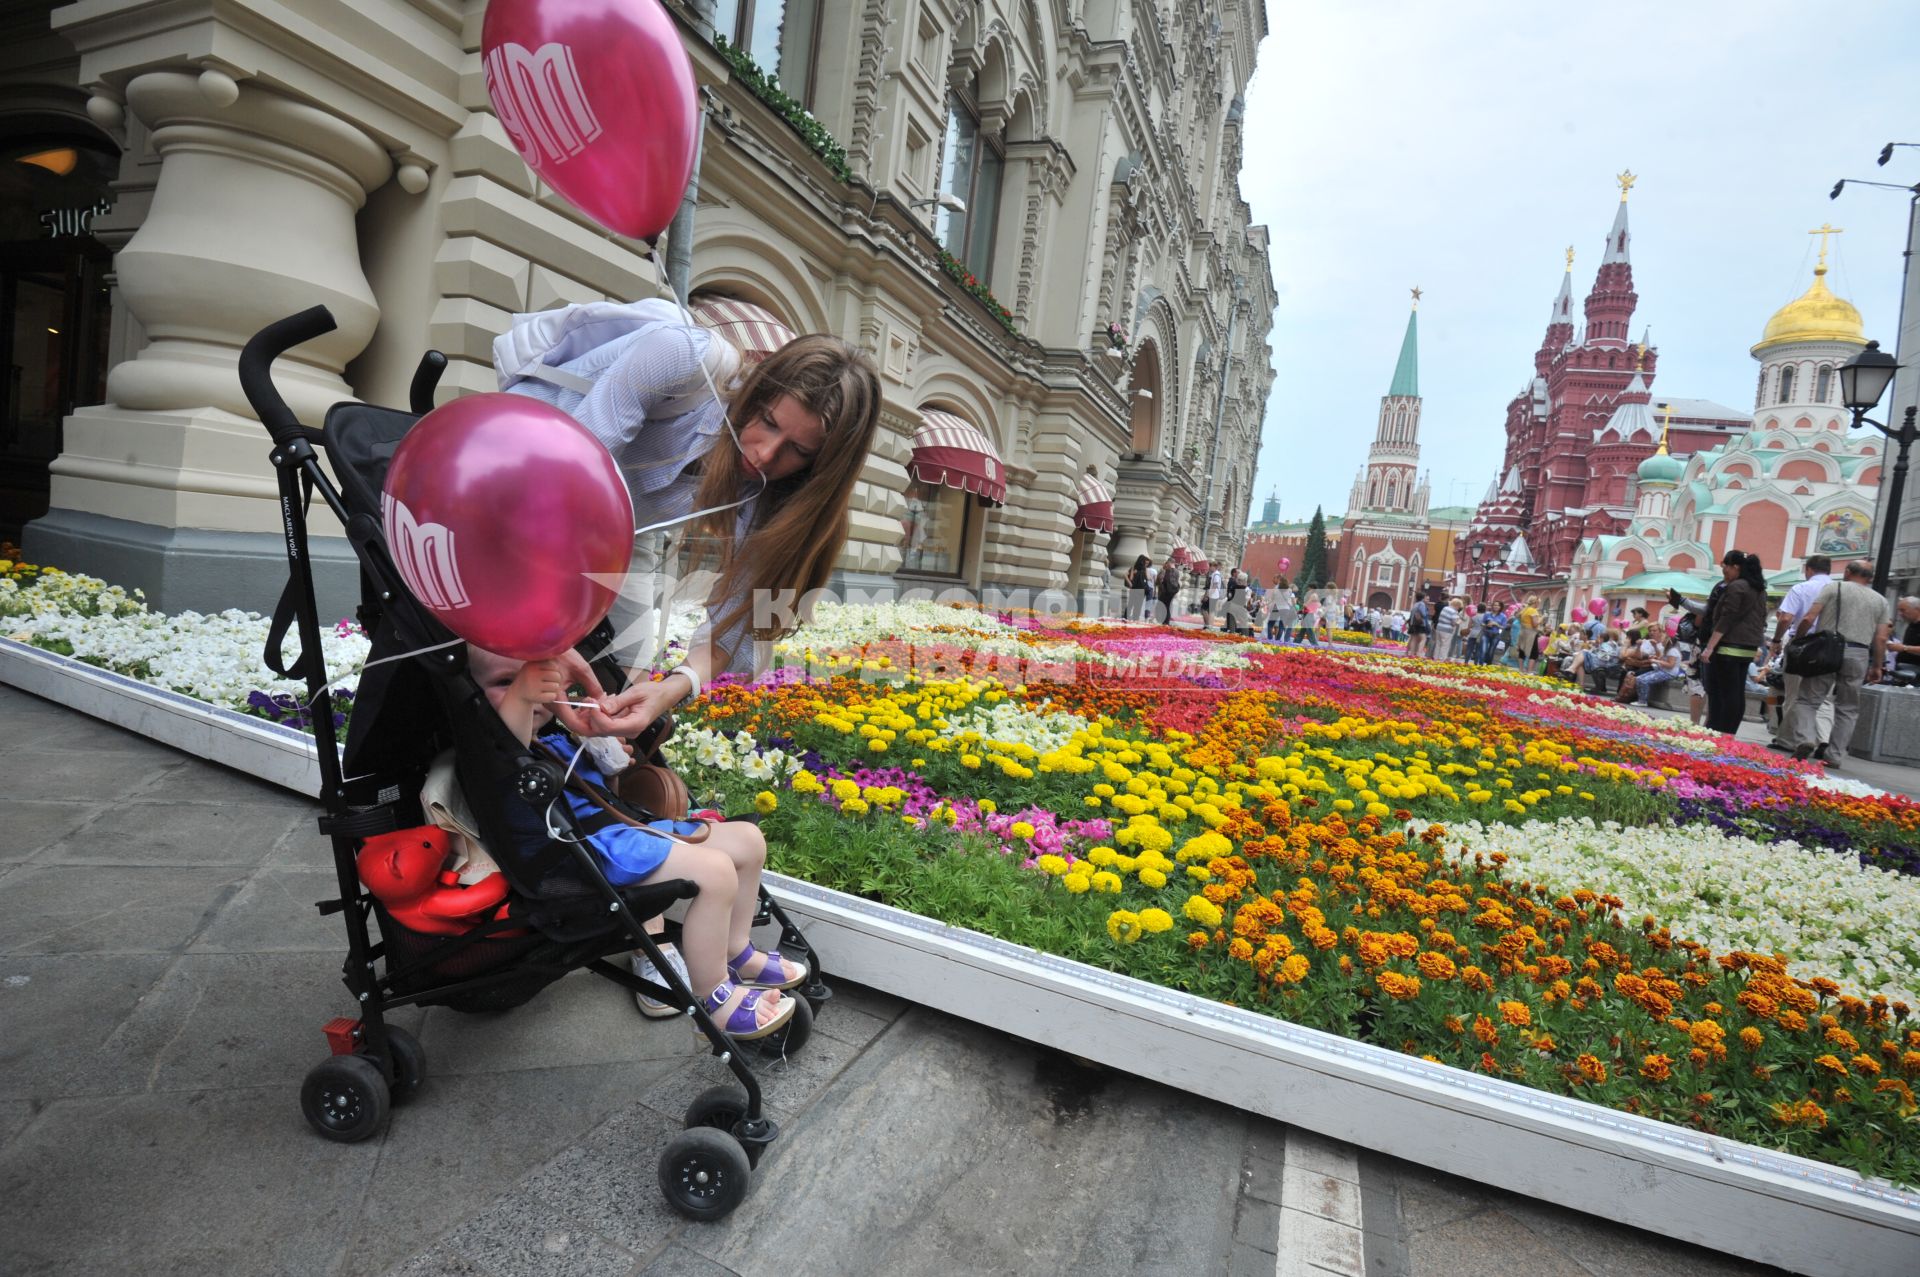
x,y
414,701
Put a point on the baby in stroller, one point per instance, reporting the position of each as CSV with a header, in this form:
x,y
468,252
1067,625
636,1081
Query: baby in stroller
x,y
723,859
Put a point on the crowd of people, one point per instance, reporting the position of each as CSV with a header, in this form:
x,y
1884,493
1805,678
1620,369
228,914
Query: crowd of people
x,y
1718,649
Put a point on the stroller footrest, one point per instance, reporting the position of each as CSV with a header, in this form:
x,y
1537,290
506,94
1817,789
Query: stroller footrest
x,y
343,1035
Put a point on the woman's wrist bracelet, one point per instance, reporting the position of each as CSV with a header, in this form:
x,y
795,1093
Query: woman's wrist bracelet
x,y
693,677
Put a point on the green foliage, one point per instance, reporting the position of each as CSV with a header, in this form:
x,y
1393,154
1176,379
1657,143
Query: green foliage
x,y
1313,560
957,270
764,87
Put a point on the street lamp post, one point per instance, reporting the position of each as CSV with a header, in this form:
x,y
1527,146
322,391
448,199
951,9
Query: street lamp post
x,y
1863,379
1486,569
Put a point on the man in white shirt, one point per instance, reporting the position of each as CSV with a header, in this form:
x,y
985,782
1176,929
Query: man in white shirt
x,y
1817,573
1863,620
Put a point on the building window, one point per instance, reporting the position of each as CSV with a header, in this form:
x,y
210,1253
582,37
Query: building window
x,y
781,36
972,165
934,531
1786,384
1824,385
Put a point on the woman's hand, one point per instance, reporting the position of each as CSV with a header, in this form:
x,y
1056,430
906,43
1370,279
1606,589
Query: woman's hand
x,y
630,713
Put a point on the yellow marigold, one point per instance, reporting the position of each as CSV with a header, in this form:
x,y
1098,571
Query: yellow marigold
x,y
1804,1113
1203,911
1152,878
1055,865
765,802
1077,883
1516,1013
987,807
854,807
1156,920
1751,1038
844,789
1021,829
1107,881
1402,988
805,782
1124,926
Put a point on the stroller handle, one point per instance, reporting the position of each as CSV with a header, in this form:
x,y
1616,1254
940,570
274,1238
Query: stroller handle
x,y
256,367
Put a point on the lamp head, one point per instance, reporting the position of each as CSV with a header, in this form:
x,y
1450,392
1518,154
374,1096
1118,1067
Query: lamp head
x,y
1864,378
1838,186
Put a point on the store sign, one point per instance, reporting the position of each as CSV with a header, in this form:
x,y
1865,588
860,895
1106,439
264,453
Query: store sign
x,y
73,221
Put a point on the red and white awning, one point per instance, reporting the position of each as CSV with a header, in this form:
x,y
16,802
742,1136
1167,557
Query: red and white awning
x,y
754,331
952,451
1095,512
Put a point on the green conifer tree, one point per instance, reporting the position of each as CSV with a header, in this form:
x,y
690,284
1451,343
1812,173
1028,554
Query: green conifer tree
x,y
1313,560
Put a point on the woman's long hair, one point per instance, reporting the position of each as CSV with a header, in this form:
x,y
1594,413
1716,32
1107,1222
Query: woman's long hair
x,y
1754,573
800,522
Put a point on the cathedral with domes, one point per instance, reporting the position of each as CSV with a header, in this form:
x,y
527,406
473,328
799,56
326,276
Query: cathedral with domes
x,y
1796,482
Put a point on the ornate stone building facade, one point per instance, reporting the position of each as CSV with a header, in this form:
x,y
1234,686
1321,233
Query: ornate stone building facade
x,y
1026,210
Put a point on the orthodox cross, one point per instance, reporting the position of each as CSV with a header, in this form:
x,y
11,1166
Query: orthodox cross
x,y
1826,229
1626,180
1569,259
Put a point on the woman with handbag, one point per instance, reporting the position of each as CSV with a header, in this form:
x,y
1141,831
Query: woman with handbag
x,y
1739,632
1139,578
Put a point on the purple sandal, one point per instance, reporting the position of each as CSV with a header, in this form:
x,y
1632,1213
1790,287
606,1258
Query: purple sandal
x,y
792,972
743,1024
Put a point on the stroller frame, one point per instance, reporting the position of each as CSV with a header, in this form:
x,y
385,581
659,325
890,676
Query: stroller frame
x,y
704,1171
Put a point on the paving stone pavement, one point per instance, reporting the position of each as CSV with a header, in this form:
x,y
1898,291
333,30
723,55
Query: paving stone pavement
x,y
163,979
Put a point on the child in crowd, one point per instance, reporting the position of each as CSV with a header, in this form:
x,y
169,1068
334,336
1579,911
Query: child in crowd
x,y
724,860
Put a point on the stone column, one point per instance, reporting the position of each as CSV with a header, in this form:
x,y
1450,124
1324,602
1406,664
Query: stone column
x,y
252,219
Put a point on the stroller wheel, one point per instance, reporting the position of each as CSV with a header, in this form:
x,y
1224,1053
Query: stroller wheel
x,y
345,1098
788,1039
704,1173
409,1064
717,1106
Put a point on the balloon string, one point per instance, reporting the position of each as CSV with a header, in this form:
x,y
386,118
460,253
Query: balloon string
x,y
364,666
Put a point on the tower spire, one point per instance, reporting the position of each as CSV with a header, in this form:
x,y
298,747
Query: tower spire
x,y
1611,302
1563,304
1406,373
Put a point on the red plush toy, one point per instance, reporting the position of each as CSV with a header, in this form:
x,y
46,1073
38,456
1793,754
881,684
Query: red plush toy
x,y
405,871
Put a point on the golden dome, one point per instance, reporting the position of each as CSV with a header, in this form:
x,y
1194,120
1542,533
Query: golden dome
x,y
1816,315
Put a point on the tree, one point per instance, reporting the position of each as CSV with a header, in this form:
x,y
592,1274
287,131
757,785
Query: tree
x,y
1313,560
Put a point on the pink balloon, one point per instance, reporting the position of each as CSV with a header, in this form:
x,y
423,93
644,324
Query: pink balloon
x,y
1597,606
598,97
509,522
1285,563
1578,614
1673,625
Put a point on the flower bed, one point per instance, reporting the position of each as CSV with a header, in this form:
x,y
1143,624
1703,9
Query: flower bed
x,y
1269,832
1466,864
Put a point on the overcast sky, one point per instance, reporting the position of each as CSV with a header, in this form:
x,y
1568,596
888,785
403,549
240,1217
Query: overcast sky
x,y
1462,146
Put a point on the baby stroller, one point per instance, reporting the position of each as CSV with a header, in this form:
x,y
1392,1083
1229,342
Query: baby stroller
x,y
560,911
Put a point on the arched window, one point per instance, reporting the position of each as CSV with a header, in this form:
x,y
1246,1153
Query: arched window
x,y
781,36
1786,384
1824,385
1393,490
972,164
1760,390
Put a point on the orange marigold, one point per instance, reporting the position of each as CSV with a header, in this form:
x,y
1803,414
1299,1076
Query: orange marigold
x,y
1403,988
1474,978
1436,966
1657,1068
1831,1063
1751,1038
1239,950
1590,1068
1516,1014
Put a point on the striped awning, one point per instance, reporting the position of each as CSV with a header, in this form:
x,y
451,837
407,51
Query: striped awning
x,y
1095,512
952,451
1181,556
754,331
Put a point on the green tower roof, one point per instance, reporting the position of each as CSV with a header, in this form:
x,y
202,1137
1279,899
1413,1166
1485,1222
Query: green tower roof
x,y
1406,373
